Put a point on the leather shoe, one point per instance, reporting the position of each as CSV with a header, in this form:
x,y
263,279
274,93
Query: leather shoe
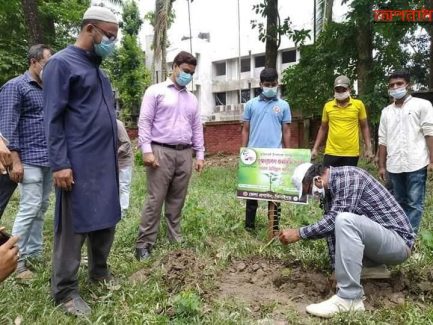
x,y
142,254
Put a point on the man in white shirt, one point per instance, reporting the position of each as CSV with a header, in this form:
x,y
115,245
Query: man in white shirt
x,y
406,146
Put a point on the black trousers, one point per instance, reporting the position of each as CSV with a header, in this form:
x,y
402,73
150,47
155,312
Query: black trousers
x,y
338,161
7,188
251,212
67,254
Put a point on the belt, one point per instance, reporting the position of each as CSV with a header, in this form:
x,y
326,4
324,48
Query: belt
x,y
172,146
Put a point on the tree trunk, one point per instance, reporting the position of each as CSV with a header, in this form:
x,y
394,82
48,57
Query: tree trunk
x,y
430,77
162,16
429,28
272,37
364,45
31,16
328,11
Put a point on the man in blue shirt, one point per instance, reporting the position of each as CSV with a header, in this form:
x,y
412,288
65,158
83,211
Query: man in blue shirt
x,y
21,122
266,125
82,145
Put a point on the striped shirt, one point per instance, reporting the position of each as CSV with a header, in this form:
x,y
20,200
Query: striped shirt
x,y
22,121
354,190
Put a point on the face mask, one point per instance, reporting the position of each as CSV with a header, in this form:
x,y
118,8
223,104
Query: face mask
x,y
270,92
398,93
342,96
105,48
316,191
183,78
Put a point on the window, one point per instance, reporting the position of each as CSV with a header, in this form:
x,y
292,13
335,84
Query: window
x,y
257,91
259,61
288,56
220,69
245,65
245,95
220,99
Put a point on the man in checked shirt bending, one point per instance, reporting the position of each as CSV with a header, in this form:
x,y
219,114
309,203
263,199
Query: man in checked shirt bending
x,y
365,224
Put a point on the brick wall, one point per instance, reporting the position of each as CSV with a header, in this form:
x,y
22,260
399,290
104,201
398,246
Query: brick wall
x,y
225,136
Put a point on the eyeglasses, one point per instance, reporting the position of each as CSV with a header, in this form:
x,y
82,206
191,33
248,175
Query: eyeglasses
x,y
111,37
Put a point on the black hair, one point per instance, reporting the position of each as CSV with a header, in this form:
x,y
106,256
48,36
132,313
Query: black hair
x,y
36,52
268,74
315,170
184,57
403,74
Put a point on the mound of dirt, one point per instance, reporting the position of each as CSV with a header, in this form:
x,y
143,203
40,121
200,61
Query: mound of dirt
x,y
259,283
181,269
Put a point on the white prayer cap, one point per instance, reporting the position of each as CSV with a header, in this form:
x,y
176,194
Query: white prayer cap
x,y
100,13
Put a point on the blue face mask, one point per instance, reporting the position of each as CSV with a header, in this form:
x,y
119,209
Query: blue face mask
x,y
270,92
105,48
398,93
183,78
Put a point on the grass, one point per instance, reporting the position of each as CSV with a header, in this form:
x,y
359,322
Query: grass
x,y
212,226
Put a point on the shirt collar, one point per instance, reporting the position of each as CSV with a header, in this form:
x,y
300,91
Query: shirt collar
x,y
266,99
90,55
406,100
29,79
170,84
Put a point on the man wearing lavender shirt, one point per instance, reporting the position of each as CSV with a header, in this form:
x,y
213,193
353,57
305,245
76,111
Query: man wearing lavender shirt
x,y
169,130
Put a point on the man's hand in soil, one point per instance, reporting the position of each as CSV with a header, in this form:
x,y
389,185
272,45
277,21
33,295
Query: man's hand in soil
x,y
63,179
8,257
289,236
150,160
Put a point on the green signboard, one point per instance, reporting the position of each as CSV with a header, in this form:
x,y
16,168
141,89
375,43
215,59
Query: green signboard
x,y
266,174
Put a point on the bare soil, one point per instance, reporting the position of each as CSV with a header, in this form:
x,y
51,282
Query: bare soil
x,y
269,287
259,282
221,160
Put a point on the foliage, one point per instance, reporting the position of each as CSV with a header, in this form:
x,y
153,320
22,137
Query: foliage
x,y
60,20
126,66
187,304
282,28
310,83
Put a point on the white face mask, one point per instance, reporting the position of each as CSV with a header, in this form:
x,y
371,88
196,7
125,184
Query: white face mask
x,y
398,93
342,96
317,191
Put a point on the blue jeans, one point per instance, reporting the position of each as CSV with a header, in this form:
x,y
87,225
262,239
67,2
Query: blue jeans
x,y
34,199
125,175
409,191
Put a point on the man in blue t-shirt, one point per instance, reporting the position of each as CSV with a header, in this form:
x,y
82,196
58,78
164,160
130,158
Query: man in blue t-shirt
x,y
266,125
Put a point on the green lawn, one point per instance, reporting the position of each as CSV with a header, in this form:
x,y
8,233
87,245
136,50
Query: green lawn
x,y
220,274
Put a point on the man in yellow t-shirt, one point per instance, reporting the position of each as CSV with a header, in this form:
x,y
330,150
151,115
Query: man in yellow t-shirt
x,y
341,120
